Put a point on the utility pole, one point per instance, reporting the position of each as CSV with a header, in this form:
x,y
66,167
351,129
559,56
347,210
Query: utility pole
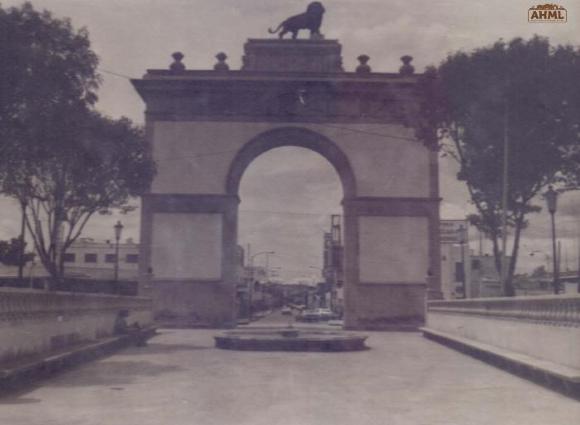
x,y
558,265
22,238
506,289
462,239
578,253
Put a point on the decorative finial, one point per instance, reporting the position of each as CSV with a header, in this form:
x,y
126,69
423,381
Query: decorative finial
x,y
177,65
221,65
406,69
363,68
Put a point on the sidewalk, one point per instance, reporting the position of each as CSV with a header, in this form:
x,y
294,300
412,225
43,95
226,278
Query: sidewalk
x,y
180,378
32,370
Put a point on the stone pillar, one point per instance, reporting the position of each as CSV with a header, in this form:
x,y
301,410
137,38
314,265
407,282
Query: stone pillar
x,y
389,249
188,249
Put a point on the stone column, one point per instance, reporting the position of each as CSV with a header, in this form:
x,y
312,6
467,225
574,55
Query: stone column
x,y
391,244
188,248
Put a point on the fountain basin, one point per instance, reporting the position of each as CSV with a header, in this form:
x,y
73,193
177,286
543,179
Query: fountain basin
x,y
290,339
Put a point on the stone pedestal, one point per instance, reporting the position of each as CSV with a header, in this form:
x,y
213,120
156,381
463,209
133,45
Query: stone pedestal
x,y
292,55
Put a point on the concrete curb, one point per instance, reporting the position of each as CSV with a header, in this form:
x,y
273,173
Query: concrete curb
x,y
556,377
24,375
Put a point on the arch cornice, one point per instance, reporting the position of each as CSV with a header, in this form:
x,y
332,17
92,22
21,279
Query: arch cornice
x,y
291,136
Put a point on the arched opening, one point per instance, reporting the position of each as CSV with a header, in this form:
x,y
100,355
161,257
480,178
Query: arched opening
x,y
291,183
292,136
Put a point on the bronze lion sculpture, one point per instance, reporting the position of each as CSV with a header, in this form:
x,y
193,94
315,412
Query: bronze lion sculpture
x,y
309,20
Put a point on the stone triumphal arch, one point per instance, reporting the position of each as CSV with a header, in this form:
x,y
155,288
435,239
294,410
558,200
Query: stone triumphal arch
x,y
206,127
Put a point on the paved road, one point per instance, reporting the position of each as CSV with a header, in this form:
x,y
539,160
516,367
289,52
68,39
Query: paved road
x,y
181,379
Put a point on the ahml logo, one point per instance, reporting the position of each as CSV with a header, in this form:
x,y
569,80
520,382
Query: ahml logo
x,y
547,13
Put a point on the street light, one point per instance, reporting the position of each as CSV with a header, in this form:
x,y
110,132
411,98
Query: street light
x,y
551,197
118,230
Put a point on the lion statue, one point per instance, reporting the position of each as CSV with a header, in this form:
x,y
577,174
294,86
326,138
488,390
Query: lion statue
x,y
310,20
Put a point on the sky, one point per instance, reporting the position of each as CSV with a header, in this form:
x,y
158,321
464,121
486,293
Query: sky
x,y
288,193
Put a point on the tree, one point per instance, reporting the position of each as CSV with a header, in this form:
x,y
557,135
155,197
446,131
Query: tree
x,y
525,92
10,253
61,160
106,167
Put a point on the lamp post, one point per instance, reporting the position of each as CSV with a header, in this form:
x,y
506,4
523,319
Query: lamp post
x,y
551,197
462,239
118,230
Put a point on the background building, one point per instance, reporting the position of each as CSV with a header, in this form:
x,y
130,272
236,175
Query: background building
x,y
484,278
89,259
331,290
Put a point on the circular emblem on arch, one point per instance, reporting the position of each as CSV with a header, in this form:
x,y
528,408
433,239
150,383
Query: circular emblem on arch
x,y
291,136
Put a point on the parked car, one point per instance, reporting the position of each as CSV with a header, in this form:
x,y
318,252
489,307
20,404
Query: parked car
x,y
286,310
325,314
317,315
309,316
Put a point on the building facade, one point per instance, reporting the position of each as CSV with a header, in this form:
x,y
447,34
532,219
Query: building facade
x,y
90,259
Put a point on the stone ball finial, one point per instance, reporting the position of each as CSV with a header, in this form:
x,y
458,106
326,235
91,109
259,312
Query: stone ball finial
x,y
177,65
221,64
363,67
407,68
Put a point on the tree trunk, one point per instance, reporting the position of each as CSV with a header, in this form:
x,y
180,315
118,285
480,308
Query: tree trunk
x,y
513,260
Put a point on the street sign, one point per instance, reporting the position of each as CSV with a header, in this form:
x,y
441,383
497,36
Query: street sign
x,y
450,233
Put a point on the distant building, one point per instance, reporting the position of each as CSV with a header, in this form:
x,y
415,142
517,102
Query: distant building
x,y
458,262
89,259
332,269
452,271
455,259
484,277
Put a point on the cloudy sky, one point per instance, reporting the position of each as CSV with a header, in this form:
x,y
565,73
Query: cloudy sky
x,y
288,193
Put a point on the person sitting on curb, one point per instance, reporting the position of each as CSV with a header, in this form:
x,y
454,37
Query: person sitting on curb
x,y
134,331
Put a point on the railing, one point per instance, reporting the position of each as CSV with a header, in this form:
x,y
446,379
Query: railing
x,y
88,286
556,310
18,305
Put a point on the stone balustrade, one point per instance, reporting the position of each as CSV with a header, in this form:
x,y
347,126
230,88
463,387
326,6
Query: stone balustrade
x,y
32,321
542,327
554,310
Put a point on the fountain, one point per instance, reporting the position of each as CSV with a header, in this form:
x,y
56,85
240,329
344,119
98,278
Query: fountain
x,y
290,338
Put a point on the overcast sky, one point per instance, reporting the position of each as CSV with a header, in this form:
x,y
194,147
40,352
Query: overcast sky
x,y
288,193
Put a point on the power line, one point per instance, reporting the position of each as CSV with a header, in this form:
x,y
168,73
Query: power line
x,y
372,133
116,74
286,213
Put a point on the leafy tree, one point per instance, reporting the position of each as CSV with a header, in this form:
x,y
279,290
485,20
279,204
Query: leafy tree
x,y
104,169
60,159
10,253
525,92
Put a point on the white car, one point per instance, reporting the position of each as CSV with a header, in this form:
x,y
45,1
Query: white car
x,y
325,314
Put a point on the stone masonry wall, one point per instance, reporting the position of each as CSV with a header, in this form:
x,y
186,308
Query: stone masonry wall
x,y
543,327
33,322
